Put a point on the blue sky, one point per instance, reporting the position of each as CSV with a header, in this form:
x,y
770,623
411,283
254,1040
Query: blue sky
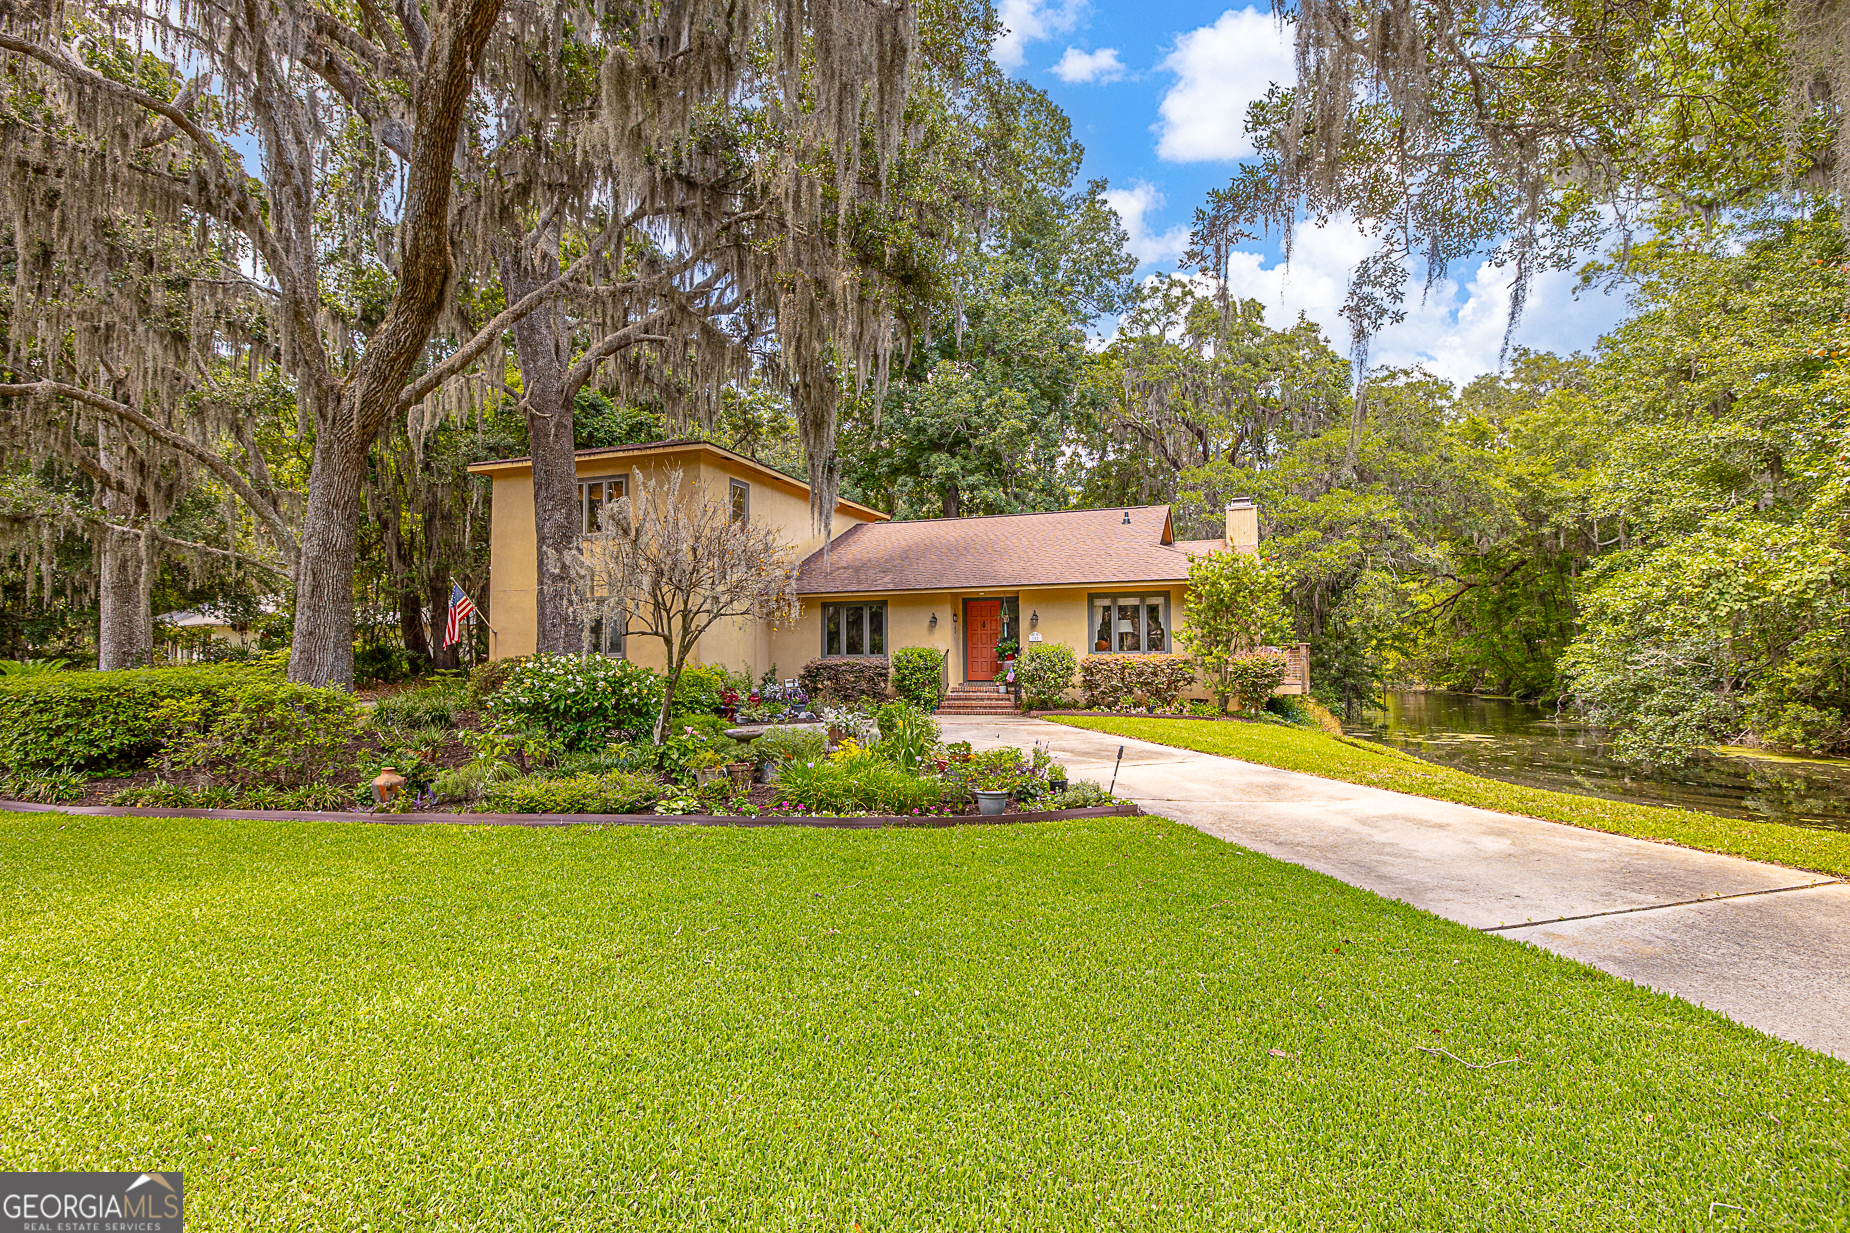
x,y
1158,90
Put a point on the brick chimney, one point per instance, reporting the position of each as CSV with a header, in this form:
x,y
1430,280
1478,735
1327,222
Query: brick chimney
x,y
1243,525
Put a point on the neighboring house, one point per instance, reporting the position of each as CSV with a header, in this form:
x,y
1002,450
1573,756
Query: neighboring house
x,y
185,633
1098,580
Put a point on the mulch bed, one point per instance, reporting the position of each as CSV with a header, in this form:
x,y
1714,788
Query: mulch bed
x,y
446,756
576,819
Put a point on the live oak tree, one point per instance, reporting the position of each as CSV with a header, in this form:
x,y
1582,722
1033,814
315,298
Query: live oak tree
x,y
331,97
707,170
1532,130
671,565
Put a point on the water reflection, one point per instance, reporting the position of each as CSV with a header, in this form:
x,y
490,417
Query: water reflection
x,y
1521,743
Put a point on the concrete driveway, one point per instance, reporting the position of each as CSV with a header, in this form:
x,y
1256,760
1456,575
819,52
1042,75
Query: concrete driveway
x,y
1765,945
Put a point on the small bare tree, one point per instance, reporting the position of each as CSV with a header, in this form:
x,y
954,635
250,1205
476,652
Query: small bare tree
x,y
670,568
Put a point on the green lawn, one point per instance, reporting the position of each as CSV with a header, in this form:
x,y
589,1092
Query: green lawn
x,y
1055,1026
1303,749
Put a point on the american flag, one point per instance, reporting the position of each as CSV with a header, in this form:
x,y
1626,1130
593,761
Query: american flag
x,y
460,607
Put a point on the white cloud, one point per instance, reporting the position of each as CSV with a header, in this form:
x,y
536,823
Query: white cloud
x,y
1031,21
1219,70
1078,67
1132,204
1456,333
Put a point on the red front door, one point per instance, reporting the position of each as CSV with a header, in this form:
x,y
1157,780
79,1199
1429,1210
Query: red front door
x,y
982,627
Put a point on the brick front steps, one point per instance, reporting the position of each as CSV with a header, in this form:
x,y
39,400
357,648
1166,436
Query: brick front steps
x,y
978,699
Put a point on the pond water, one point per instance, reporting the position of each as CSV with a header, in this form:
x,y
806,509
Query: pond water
x,y
1519,742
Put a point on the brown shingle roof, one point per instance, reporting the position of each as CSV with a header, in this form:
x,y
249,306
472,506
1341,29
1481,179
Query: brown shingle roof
x,y
1070,548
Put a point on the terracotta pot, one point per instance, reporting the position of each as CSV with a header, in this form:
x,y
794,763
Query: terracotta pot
x,y
388,784
741,773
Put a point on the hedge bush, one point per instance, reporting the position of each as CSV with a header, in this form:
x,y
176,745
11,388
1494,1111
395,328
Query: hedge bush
x,y
579,701
1045,672
1252,678
918,676
97,721
1120,682
272,733
610,792
699,690
845,678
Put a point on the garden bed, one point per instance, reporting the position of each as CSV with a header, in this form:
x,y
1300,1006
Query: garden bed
x,y
361,750
1016,814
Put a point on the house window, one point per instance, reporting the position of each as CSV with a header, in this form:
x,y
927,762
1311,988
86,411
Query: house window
x,y
609,637
741,501
1130,624
594,495
854,629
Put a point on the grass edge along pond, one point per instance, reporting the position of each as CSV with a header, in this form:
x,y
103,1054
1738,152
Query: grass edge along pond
x,y
1108,1023
1379,766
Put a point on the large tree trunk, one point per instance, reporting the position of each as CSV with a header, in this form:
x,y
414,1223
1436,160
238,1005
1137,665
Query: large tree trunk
x,y
411,623
322,652
124,637
442,658
350,416
540,348
124,626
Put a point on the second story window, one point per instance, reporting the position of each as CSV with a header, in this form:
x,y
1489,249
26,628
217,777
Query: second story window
x,y
741,501
594,495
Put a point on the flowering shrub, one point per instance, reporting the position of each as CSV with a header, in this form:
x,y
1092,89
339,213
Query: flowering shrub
x,y
581,701
1120,682
486,680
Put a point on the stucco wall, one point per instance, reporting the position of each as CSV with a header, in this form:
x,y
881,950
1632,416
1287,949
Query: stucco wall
x,y
1064,618
776,500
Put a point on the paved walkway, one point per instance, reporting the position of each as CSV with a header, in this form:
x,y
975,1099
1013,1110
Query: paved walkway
x,y
1762,944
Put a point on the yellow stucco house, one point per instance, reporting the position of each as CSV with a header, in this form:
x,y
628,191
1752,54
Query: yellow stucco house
x,y
1099,580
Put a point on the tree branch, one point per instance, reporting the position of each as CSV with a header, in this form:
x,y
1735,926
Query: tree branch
x,y
467,354
285,540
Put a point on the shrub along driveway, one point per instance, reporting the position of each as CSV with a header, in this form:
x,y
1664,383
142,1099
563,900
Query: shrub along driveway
x,y
1766,945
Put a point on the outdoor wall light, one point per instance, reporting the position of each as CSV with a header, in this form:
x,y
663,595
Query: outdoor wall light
x,y
1034,618
934,621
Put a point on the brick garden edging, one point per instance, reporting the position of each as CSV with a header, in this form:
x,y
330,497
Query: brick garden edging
x,y
571,819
